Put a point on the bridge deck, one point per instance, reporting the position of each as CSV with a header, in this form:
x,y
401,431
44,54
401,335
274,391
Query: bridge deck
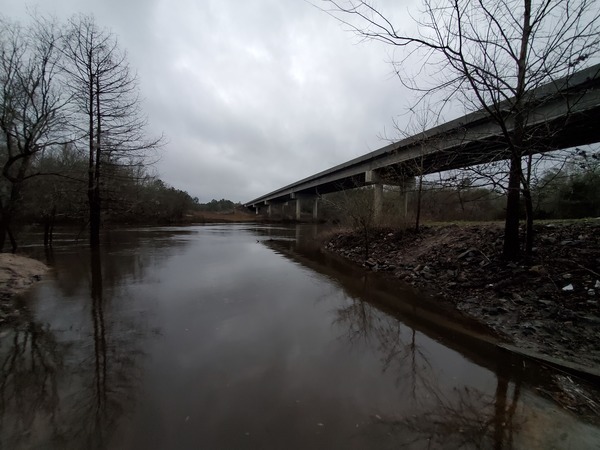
x,y
565,113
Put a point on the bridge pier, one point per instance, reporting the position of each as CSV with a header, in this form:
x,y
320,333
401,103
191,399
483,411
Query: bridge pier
x,y
373,178
298,208
298,198
377,201
404,190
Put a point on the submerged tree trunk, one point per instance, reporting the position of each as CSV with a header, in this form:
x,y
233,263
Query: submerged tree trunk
x,y
10,207
49,227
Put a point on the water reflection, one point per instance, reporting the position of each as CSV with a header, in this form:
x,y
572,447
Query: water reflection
x,y
30,358
70,384
463,417
436,412
261,345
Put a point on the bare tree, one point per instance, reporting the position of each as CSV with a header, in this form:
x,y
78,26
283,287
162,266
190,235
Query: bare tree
x,y
357,204
107,99
490,56
422,120
33,114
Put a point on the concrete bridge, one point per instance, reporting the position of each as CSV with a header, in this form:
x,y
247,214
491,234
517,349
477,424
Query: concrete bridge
x,y
561,114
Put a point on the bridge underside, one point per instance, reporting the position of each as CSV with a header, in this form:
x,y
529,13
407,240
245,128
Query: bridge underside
x,y
561,120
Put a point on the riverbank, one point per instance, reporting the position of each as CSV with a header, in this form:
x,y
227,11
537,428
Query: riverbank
x,y
17,274
547,304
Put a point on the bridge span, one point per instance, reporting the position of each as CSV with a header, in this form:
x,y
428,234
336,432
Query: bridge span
x,y
561,114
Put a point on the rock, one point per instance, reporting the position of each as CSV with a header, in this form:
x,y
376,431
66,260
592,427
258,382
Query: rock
x,y
370,263
568,288
546,303
566,242
567,276
538,270
592,319
567,314
597,285
545,289
591,292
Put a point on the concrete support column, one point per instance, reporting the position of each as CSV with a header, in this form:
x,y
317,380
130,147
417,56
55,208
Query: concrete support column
x,y
269,210
405,205
298,208
404,199
315,211
377,201
257,210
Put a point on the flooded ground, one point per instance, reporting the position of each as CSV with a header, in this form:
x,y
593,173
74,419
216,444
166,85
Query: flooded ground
x,y
234,337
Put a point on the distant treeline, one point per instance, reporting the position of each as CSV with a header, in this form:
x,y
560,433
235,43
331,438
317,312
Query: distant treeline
x,y
222,206
131,194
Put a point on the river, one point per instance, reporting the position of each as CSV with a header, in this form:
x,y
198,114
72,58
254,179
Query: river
x,y
243,337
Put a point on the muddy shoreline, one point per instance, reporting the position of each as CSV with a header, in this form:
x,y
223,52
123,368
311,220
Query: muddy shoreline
x,y
17,274
547,304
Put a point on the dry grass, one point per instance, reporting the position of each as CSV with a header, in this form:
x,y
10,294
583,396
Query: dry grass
x,y
214,217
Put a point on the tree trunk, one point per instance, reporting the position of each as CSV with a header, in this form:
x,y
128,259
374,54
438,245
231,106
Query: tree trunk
x,y
511,230
95,206
528,222
367,240
8,212
94,220
419,194
511,226
528,208
3,232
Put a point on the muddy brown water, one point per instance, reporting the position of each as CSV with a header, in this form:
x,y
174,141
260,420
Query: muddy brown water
x,y
243,337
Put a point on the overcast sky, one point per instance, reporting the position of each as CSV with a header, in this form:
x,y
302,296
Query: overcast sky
x,y
251,95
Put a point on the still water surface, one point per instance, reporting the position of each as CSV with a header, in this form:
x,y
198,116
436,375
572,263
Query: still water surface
x,y
238,337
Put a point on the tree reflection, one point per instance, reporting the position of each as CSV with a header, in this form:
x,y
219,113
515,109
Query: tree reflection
x,y
30,358
72,392
440,417
109,377
466,418
395,342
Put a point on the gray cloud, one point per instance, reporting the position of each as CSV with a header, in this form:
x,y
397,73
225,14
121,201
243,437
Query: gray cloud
x,y
251,95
